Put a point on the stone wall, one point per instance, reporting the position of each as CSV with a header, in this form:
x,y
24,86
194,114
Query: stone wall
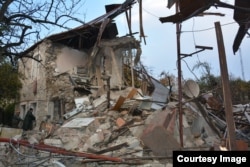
x,y
49,81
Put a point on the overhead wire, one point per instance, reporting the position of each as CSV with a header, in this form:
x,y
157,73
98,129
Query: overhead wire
x,y
194,39
190,70
193,34
207,29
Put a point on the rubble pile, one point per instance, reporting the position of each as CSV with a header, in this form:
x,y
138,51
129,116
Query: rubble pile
x,y
129,133
92,117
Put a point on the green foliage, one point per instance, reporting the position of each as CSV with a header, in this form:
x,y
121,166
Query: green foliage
x,y
207,81
8,113
10,84
240,90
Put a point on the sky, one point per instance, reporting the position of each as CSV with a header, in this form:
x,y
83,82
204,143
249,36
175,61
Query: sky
x,y
160,51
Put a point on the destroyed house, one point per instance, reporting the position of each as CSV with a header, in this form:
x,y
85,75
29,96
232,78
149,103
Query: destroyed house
x,y
75,63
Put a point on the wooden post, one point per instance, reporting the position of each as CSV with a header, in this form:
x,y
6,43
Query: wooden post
x,y
226,89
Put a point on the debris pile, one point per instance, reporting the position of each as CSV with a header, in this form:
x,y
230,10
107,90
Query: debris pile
x,y
135,130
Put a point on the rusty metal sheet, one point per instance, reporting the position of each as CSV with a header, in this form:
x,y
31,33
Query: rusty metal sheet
x,y
241,145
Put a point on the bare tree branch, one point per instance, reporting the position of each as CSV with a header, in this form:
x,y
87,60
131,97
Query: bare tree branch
x,y
23,21
4,8
50,8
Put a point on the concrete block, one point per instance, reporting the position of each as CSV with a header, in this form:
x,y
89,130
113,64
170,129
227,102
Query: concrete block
x,y
97,102
53,142
163,118
197,126
137,131
9,132
160,141
158,135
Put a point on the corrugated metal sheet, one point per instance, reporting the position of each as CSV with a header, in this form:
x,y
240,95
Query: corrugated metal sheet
x,y
159,95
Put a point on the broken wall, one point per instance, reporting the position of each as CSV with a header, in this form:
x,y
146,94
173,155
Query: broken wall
x,y
33,82
46,79
117,52
51,85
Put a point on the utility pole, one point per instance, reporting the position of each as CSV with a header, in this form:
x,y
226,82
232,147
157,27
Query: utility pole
x,y
226,89
178,35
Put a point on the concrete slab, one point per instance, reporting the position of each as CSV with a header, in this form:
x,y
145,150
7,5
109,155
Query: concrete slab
x,y
159,134
9,132
78,122
160,141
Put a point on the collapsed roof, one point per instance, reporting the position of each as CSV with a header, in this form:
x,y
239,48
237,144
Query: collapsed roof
x,y
85,36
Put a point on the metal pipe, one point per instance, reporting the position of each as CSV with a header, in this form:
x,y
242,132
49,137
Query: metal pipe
x,y
58,150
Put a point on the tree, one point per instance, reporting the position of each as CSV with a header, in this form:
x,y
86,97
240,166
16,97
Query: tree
x,y
23,22
9,84
207,81
240,89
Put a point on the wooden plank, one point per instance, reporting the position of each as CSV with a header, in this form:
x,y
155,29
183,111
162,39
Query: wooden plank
x,y
119,103
132,93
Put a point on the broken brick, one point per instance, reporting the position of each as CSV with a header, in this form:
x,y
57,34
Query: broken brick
x,y
120,122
